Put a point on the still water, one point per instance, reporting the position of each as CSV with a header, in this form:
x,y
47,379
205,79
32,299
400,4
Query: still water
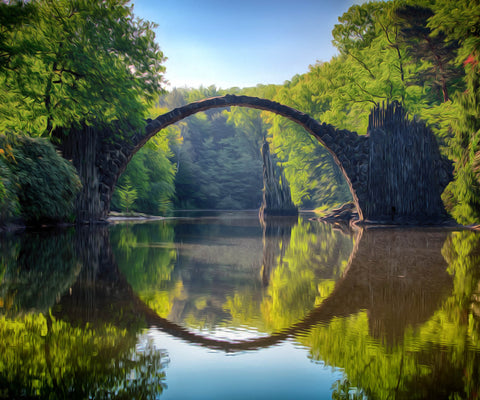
x,y
218,306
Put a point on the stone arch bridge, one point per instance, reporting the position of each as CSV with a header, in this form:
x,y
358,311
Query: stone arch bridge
x,y
395,173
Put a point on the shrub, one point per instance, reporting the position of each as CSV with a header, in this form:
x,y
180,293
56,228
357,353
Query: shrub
x,y
9,205
47,184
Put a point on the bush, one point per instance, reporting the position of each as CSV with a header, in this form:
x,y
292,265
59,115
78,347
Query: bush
x,y
9,205
46,183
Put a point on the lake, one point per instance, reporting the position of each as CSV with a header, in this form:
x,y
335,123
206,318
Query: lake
x,y
215,305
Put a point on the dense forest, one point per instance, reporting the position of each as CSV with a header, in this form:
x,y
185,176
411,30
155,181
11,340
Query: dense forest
x,y
421,53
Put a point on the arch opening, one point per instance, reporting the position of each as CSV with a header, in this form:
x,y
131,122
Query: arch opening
x,y
337,142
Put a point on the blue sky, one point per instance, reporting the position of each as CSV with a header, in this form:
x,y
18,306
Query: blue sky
x,y
241,42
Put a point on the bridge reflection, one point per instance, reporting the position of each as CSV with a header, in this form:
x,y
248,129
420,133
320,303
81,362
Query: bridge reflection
x,y
399,276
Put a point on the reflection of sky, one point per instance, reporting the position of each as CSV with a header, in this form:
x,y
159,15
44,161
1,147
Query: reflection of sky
x,y
232,334
283,371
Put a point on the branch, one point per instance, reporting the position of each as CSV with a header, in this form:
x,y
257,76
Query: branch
x,y
363,65
353,100
75,74
395,46
370,94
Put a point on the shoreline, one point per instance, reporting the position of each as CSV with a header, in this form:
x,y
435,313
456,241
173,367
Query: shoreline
x,y
344,217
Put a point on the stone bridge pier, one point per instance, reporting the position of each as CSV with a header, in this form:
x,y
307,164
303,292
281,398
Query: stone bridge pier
x,y
396,173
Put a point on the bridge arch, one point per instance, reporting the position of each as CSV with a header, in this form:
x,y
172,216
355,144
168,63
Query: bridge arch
x,y
395,172
348,149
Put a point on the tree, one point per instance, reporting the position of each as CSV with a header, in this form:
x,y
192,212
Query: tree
x,y
459,22
436,52
152,175
78,71
78,63
9,205
367,36
127,195
216,154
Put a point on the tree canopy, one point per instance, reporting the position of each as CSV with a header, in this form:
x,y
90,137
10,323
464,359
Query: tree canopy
x,y
65,63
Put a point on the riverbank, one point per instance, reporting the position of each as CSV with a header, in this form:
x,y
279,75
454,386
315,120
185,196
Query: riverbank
x,y
346,217
114,216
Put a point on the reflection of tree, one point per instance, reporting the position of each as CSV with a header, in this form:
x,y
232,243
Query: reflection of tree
x,y
438,354
393,321
191,281
47,358
37,268
343,390
276,238
303,262
215,255
146,257
85,345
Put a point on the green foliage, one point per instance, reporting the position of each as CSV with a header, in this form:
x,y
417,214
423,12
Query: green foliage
x,y
219,162
72,67
47,184
39,268
314,178
438,359
12,15
371,68
312,258
218,165
9,206
127,195
151,175
45,357
146,257
69,63
305,264
436,53
409,51
460,21
42,357
462,196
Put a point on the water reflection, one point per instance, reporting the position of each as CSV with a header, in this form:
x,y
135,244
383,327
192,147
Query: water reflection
x,y
415,332
232,276
35,269
397,310
58,339
399,277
